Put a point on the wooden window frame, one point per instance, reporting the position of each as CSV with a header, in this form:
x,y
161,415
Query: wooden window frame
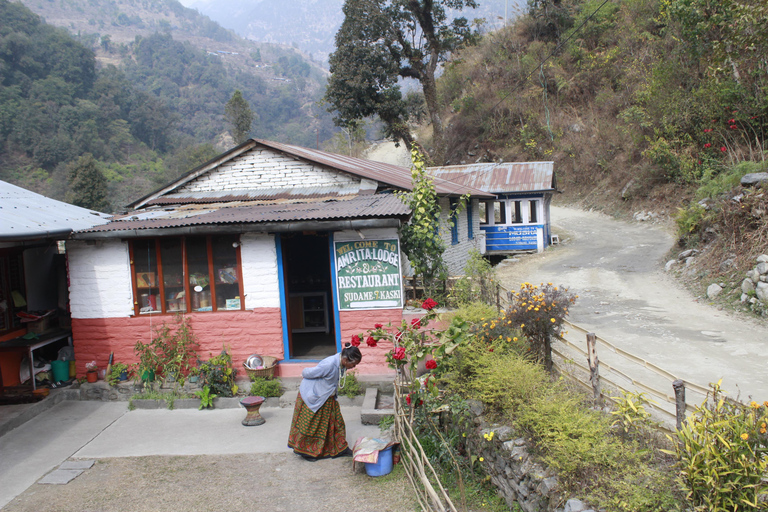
x,y
5,282
185,276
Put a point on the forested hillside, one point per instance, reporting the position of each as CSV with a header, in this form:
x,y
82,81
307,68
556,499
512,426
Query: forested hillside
x,y
642,104
148,108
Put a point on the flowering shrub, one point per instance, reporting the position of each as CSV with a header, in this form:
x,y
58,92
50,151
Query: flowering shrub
x,y
539,312
413,342
92,366
723,455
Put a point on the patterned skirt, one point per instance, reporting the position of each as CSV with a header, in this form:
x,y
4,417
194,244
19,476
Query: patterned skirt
x,y
318,434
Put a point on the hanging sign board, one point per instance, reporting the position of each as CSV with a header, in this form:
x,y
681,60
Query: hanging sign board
x,y
368,274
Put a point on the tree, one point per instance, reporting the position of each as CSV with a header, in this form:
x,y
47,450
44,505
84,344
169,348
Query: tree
x,y
381,41
87,185
239,115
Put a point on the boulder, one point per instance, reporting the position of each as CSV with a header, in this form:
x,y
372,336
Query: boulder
x,y
714,290
754,275
574,505
753,179
761,290
763,258
726,264
762,268
669,265
747,286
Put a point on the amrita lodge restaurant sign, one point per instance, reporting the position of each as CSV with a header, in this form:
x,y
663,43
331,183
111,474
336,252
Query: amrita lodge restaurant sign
x,y
368,274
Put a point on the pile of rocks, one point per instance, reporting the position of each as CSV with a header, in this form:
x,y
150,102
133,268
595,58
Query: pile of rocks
x,y
754,287
506,459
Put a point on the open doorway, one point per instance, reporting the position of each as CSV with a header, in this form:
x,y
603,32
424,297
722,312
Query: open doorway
x,y
308,295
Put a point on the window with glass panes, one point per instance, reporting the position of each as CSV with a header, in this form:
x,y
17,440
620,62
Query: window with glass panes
x,y
185,274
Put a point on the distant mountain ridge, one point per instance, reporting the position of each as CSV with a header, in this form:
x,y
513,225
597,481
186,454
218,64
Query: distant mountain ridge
x,y
311,25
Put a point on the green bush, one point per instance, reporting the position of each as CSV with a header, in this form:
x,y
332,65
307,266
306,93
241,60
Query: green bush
x,y
218,374
350,387
723,453
609,470
265,387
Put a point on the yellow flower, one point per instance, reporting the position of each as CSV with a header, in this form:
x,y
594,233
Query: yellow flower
x,y
509,339
463,434
522,325
762,430
481,459
754,405
745,436
514,339
765,403
552,320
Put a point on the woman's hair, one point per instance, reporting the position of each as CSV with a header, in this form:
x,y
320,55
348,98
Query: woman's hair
x,y
352,354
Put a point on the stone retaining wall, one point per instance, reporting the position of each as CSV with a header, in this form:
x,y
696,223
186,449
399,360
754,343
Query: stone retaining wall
x,y
506,459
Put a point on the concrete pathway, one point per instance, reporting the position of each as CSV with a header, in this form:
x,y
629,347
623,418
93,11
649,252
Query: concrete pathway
x,y
95,430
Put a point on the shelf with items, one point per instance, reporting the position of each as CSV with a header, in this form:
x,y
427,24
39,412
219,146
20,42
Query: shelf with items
x,y
309,312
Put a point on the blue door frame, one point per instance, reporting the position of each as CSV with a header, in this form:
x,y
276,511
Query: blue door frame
x,y
284,300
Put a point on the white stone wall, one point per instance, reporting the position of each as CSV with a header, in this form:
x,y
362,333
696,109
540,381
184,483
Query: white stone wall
x,y
260,281
456,256
262,168
99,279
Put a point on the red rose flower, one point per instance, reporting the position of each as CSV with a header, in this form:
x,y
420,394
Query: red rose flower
x,y
377,326
732,127
731,121
370,341
355,341
707,145
428,304
408,399
431,364
398,335
398,353
723,149
416,322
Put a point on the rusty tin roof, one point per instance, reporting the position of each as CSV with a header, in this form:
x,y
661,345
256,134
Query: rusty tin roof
x,y
385,174
257,212
505,177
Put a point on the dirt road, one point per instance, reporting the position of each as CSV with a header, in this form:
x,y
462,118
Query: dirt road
x,y
625,297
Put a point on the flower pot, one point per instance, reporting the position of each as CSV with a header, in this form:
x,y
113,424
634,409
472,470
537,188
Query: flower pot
x,y
91,376
123,375
148,376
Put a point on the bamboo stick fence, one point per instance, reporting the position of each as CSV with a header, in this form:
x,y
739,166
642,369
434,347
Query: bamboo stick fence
x,y
430,493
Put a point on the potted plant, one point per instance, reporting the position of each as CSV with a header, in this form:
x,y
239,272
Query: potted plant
x,y
91,370
118,372
148,361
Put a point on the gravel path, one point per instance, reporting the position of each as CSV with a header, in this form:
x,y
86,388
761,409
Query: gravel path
x,y
625,297
248,482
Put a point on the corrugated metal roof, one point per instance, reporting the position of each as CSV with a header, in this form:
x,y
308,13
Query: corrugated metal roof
x,y
394,175
501,177
218,196
386,174
378,205
25,215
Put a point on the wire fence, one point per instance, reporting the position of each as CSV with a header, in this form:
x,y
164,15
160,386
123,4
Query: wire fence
x,y
619,371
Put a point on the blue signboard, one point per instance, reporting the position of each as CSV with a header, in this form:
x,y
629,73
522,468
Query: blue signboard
x,y
511,238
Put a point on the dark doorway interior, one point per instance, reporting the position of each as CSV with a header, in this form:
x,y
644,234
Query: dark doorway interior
x,y
307,273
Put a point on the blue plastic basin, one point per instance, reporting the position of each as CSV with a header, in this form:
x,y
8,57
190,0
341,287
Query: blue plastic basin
x,y
383,466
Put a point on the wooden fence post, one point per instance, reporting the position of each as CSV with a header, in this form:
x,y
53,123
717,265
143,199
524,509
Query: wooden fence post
x,y
498,297
679,386
594,368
